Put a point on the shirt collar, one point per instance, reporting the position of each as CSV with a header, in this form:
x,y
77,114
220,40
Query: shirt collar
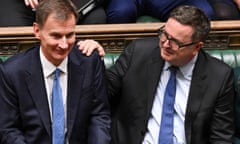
x,y
187,69
49,68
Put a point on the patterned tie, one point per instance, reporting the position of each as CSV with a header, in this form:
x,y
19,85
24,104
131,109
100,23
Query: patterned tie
x,y
166,128
57,111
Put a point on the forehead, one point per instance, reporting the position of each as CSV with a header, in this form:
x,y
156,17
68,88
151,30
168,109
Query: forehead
x,y
178,30
52,22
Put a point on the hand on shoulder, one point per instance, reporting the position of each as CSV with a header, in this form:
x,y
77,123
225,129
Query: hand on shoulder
x,y
88,46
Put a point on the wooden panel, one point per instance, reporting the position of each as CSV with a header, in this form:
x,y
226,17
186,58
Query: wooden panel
x,y
114,37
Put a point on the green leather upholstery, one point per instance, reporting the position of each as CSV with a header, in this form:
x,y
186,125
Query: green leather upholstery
x,y
146,18
4,57
110,58
231,57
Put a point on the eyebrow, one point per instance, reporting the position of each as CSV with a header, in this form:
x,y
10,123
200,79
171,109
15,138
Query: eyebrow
x,y
174,39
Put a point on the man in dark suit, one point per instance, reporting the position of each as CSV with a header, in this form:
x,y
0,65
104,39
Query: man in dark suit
x,y
203,106
26,96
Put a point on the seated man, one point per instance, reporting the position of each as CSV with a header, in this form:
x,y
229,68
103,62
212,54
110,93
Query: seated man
x,y
51,93
168,90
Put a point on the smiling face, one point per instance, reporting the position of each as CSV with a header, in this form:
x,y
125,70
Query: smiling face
x,y
57,37
183,35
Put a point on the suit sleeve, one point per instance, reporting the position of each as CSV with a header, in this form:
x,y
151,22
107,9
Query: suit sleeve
x,y
223,115
10,130
99,129
237,105
116,73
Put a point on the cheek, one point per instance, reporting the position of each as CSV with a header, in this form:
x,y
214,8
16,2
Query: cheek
x,y
168,53
184,57
49,45
47,40
187,53
71,41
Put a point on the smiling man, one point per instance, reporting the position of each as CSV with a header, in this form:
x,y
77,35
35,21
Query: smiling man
x,y
51,93
168,90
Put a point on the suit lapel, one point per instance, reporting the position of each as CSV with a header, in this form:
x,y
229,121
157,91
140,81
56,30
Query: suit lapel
x,y
36,86
196,93
75,78
153,73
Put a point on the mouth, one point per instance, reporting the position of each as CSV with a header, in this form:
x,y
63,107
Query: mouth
x,y
61,51
167,51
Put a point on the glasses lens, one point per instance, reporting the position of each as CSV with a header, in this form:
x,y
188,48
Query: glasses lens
x,y
173,43
164,37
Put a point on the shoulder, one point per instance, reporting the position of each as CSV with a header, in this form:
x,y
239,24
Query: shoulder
x,y
218,62
77,54
213,65
22,59
78,58
144,43
143,47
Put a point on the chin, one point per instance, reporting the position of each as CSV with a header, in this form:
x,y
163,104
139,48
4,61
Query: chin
x,y
165,55
60,57
168,58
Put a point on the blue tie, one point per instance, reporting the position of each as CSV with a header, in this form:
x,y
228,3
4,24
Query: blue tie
x,y
57,111
166,128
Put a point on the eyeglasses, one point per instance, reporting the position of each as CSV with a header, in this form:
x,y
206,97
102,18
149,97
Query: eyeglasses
x,y
173,43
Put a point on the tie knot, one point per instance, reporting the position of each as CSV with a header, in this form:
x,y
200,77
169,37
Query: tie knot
x,y
173,69
57,73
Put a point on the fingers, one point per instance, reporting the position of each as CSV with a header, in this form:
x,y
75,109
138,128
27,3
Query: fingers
x,y
26,2
31,3
88,46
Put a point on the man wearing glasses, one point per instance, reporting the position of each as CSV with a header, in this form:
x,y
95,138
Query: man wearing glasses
x,y
164,36
201,87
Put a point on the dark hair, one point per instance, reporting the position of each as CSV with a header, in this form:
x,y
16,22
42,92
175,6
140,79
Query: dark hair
x,y
61,9
193,16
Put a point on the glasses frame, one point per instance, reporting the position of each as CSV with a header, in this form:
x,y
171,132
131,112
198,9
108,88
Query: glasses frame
x,y
162,31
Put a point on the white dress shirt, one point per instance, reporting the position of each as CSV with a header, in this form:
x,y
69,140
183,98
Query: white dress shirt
x,y
183,81
48,73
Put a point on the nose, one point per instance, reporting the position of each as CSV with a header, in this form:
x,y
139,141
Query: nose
x,y
63,43
166,43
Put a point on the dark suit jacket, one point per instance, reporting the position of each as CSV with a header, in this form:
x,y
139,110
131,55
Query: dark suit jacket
x,y
132,84
25,116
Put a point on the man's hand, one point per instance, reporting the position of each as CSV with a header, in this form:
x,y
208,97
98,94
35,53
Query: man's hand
x,y
238,3
88,46
31,3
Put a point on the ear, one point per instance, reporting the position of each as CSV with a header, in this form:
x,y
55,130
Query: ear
x,y
36,30
197,47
